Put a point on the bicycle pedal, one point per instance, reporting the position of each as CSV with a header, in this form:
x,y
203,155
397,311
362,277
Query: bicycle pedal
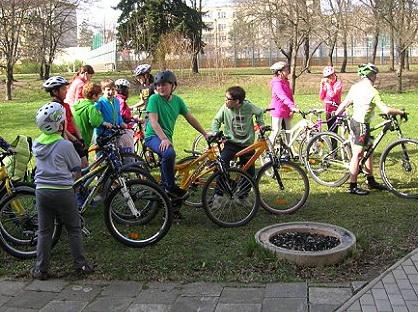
x,y
86,232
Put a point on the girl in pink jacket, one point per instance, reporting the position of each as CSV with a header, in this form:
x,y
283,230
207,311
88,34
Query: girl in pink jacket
x,y
281,99
330,93
75,90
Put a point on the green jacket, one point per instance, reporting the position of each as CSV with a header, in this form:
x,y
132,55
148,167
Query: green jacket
x,y
238,122
87,117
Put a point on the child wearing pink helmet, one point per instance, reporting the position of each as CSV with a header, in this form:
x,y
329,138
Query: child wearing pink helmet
x,y
330,93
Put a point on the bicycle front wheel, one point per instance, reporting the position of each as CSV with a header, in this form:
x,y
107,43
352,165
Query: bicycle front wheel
x,y
233,201
399,168
19,224
285,191
138,230
328,159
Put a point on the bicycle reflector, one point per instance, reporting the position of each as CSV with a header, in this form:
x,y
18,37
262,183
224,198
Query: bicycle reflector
x,y
134,235
281,201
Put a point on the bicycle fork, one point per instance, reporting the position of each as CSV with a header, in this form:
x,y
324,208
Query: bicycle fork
x,y
128,198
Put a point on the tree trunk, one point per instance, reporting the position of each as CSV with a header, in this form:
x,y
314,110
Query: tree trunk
x,y
293,62
9,81
195,65
407,59
345,55
306,50
401,56
47,70
374,47
330,55
42,69
392,50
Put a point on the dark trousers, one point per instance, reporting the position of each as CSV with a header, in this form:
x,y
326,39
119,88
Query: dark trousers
x,y
229,151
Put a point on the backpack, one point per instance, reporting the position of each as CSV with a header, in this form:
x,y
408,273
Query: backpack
x,y
20,166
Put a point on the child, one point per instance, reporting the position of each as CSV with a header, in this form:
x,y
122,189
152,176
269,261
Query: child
x,y
57,88
237,117
145,80
109,106
75,91
281,99
56,162
86,115
330,93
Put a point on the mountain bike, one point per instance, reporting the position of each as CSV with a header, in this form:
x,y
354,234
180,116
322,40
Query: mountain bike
x,y
398,163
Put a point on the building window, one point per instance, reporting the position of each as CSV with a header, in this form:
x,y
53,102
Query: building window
x,y
221,27
222,38
221,14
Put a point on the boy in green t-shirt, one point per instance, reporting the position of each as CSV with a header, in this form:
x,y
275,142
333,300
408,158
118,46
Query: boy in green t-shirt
x,y
163,109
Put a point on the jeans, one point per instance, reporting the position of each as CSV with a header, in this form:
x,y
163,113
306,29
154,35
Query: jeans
x,y
168,160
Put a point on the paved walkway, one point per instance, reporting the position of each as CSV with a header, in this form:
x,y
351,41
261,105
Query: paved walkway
x,y
394,290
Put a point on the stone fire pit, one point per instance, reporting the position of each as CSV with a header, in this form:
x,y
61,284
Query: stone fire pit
x,y
346,242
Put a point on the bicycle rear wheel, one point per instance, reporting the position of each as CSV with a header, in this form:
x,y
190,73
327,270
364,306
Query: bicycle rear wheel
x,y
399,168
328,159
19,224
235,199
138,231
287,199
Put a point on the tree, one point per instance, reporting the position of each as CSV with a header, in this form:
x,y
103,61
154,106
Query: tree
x,y
13,17
86,35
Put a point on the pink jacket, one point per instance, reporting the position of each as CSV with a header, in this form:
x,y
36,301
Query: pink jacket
x,y
330,94
125,110
75,91
281,98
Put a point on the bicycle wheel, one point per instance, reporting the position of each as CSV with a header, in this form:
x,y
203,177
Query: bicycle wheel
x,y
399,168
234,201
328,159
284,199
19,224
199,144
141,195
132,158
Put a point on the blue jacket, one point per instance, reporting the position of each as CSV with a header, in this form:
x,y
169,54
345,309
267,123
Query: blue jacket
x,y
110,111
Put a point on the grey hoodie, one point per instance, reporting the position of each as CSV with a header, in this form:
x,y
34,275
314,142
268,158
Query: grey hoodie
x,y
55,163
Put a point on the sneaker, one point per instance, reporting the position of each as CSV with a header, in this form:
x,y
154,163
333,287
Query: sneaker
x,y
177,216
357,191
39,275
177,193
85,269
373,185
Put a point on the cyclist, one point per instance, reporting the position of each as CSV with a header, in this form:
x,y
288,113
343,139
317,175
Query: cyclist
x,y
163,109
364,98
56,162
81,77
145,80
281,99
330,93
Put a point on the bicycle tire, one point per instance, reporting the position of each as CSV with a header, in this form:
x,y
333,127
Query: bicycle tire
x,y
24,245
393,161
286,201
236,200
328,166
139,234
133,158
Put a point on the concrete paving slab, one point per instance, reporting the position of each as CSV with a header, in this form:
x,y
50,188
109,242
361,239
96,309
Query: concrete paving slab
x,y
383,305
54,285
80,292
369,309
392,289
158,296
285,305
64,306
31,300
380,294
202,289
192,304
122,289
389,278
162,286
111,304
400,309
404,284
237,307
329,296
396,300
410,269
413,278
322,307
242,295
367,299
356,286
12,309
11,288
139,307
412,305
355,307
4,299
286,290
409,295
399,274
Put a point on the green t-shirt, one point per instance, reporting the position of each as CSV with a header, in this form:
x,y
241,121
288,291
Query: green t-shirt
x,y
167,112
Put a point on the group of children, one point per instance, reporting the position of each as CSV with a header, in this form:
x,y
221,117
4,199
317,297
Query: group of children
x,y
59,161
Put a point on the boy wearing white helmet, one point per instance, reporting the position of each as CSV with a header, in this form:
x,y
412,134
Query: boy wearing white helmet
x,y
364,98
145,80
57,163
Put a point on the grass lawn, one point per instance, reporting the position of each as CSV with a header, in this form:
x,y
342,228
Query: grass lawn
x,y
196,249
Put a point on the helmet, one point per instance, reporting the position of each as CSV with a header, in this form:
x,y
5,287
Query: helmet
x,y
54,82
364,70
165,76
278,66
328,71
49,117
122,83
142,69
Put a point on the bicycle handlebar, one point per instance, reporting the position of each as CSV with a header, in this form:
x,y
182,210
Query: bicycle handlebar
x,y
115,132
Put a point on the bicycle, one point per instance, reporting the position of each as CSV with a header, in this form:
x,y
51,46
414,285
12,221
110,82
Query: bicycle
x,y
283,185
398,163
229,195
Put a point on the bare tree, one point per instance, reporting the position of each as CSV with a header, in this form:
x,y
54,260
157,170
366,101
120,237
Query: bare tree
x,y
13,17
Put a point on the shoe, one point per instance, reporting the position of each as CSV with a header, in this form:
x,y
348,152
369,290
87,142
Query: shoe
x,y
43,276
177,193
177,216
373,185
357,191
85,269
